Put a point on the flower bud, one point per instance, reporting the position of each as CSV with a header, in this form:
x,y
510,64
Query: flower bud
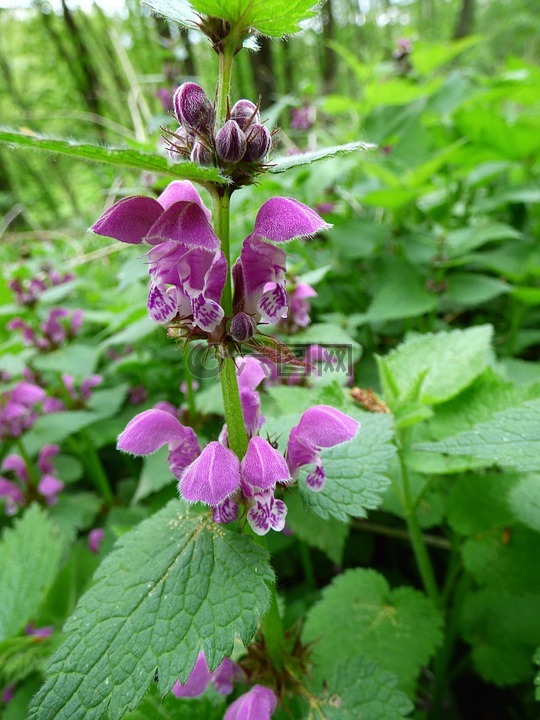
x,y
193,108
242,327
230,142
201,155
259,141
243,112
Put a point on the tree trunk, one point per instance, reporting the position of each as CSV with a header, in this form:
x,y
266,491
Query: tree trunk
x,y
465,20
329,56
263,72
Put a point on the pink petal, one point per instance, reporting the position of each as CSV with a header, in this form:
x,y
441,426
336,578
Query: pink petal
x,y
266,513
27,393
226,512
46,454
95,538
262,467
49,487
212,477
150,430
129,219
186,223
272,304
16,464
281,219
324,426
197,682
257,704
182,191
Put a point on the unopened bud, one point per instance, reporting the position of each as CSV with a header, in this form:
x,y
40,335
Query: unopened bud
x,y
201,155
245,112
259,141
193,108
230,142
242,327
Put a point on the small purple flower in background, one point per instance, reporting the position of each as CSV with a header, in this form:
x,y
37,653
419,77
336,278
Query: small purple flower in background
x,y
137,394
8,693
320,427
165,96
49,486
41,633
17,409
258,703
81,393
95,538
299,306
28,292
222,678
303,118
326,207
52,333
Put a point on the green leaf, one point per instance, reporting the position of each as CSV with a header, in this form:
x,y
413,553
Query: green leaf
x,y
441,364
75,359
398,629
57,427
524,500
466,289
356,471
462,241
174,585
156,707
360,689
288,162
179,11
26,575
108,402
21,656
402,296
478,503
155,475
268,17
506,558
328,535
503,630
119,157
511,438
75,512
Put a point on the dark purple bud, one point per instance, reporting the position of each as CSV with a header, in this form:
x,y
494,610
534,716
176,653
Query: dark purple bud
x,y
230,142
242,327
201,155
193,109
245,113
258,143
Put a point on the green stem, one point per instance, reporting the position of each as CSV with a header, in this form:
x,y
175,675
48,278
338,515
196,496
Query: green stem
x,y
272,631
421,554
236,429
222,203
188,379
30,467
94,466
226,57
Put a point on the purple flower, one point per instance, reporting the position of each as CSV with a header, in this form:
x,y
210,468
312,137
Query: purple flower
x,y
49,486
52,332
262,467
320,427
266,513
250,373
80,395
152,429
40,633
259,274
200,677
95,538
17,409
187,268
212,477
257,704
302,118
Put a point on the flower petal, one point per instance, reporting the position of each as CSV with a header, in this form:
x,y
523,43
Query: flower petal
x,y
150,430
186,223
129,219
212,477
266,514
324,426
257,704
182,191
272,304
281,219
197,682
161,305
262,467
226,512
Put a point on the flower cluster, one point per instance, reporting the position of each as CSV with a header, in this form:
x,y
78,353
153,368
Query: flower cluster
x,y
52,332
215,476
28,292
188,269
18,410
18,492
238,148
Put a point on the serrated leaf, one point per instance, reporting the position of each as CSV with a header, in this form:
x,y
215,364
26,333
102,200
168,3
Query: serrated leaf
x,y
75,512
478,503
288,162
268,17
398,629
360,689
503,630
524,501
119,157
355,471
21,656
26,575
511,438
465,289
109,401
327,535
173,586
445,363
75,359
506,558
